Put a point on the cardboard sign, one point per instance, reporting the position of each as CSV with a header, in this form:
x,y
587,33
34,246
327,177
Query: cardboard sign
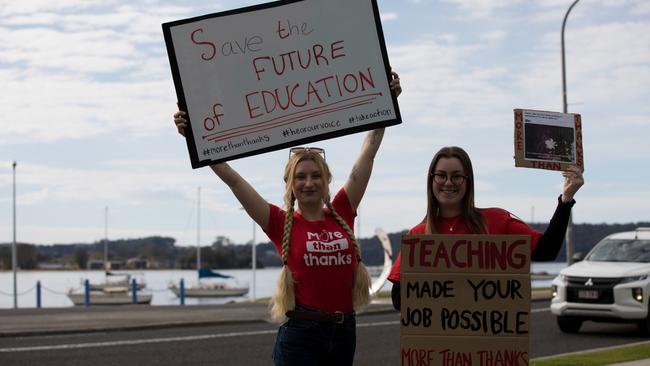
x,y
465,299
279,74
548,140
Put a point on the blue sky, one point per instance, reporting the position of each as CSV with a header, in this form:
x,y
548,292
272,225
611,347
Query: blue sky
x,y
87,99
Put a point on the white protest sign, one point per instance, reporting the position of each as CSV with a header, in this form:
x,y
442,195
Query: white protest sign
x,y
279,74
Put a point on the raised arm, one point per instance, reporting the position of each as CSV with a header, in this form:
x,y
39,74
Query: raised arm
x,y
549,244
256,207
356,184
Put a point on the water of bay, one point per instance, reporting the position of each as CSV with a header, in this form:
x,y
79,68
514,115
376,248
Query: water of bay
x,y
56,284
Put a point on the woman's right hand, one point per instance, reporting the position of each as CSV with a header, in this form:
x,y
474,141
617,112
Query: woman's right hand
x,y
180,121
573,180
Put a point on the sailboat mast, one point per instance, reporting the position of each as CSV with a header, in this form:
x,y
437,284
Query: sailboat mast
x,y
106,238
198,229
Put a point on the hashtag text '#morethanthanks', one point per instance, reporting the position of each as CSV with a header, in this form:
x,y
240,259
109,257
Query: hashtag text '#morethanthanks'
x,y
233,145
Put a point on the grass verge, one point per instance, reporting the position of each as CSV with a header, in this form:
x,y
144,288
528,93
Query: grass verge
x,y
598,358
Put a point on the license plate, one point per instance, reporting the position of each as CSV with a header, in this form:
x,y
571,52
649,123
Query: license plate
x,y
588,294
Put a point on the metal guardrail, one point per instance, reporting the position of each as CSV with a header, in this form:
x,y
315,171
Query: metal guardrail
x,y
85,287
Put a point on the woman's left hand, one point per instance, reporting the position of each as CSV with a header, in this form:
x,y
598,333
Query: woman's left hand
x,y
395,85
573,180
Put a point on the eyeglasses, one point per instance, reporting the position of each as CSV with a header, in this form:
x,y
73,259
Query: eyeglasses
x,y
456,179
304,150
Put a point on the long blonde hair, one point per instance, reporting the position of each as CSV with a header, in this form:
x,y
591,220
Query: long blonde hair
x,y
284,298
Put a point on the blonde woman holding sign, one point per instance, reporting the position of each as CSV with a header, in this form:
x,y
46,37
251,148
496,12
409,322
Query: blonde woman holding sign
x,y
451,210
323,281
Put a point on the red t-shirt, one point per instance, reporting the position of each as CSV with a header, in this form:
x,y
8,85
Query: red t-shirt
x,y
498,222
322,258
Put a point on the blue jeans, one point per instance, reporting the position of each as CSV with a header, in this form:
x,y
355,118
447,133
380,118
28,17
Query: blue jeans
x,y
310,342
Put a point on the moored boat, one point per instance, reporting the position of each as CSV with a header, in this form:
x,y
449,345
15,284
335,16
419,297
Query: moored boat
x,y
114,279
110,296
211,288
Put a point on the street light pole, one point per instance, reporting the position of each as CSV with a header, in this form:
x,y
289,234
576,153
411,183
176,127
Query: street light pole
x,y
198,229
14,256
106,264
358,234
254,255
569,231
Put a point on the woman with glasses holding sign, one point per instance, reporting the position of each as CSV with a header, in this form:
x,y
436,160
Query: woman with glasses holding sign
x,y
322,282
451,210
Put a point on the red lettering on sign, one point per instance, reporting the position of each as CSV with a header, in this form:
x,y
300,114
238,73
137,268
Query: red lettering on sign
x,y
417,357
548,165
465,254
291,29
314,56
211,45
303,94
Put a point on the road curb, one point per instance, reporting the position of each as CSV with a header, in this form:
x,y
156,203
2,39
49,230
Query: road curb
x,y
106,329
105,324
34,322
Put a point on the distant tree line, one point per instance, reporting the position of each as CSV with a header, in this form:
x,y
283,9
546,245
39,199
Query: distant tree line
x,y
27,256
161,252
158,252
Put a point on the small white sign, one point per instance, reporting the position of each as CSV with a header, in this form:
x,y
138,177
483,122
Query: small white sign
x,y
548,140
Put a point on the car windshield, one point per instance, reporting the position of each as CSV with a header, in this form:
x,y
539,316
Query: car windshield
x,y
617,250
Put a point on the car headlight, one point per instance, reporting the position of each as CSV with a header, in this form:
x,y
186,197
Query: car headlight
x,y
634,278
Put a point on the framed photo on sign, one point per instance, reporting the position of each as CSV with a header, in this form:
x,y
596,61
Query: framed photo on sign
x,y
279,74
548,140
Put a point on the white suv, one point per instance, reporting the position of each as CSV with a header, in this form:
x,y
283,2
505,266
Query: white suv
x,y
612,284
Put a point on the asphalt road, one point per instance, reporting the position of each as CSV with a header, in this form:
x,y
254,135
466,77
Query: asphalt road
x,y
251,344
547,339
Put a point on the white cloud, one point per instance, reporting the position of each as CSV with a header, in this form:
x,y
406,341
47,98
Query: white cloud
x,y
390,16
641,8
88,97
494,36
483,8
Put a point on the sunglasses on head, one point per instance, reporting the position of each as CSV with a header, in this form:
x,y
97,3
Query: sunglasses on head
x,y
304,150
